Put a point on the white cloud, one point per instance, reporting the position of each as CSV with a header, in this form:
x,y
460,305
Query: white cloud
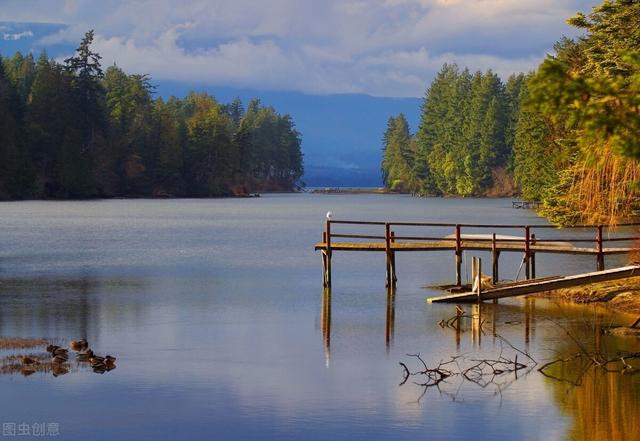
x,y
17,36
381,47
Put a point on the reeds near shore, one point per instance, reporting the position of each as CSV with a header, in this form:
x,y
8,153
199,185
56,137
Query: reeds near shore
x,y
598,190
7,343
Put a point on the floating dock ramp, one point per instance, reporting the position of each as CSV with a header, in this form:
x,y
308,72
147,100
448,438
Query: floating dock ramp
x,y
539,285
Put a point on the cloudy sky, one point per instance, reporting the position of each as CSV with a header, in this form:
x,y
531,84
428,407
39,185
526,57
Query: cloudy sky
x,y
377,47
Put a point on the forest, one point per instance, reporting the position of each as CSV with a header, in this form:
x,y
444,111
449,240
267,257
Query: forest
x,y
71,130
565,135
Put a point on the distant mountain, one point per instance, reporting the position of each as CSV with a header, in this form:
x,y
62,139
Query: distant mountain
x,y
341,134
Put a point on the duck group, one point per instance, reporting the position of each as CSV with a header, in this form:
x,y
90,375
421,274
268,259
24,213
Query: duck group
x,y
99,364
60,356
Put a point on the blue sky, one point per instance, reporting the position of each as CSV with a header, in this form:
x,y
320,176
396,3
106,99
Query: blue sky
x,y
375,47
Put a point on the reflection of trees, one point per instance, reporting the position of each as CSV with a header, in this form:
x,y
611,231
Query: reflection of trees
x,y
72,308
54,303
600,391
605,406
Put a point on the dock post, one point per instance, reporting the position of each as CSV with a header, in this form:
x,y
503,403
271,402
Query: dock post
x,y
387,249
532,258
458,257
495,255
394,279
328,256
324,261
527,238
600,255
473,274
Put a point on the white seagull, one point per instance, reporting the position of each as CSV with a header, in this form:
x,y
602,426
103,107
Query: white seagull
x,y
329,215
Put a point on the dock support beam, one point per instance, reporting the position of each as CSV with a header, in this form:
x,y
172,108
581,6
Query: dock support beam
x,y
391,257
600,254
326,256
495,256
532,258
458,255
476,271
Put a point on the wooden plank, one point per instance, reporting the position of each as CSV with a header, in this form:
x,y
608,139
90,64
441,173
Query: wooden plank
x,y
543,285
466,245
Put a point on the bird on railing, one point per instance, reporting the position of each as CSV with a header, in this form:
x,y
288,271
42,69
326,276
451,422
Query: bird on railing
x,y
329,215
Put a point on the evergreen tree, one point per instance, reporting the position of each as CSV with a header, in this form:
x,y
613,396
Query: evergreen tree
x,y
16,176
48,116
397,170
78,149
70,131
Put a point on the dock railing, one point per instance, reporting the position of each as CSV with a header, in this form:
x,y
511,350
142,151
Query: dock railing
x,y
391,237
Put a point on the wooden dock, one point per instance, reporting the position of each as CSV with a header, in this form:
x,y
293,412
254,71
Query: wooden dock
x,y
383,237
525,204
538,285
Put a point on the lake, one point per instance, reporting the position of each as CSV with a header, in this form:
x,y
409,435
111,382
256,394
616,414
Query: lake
x,y
216,313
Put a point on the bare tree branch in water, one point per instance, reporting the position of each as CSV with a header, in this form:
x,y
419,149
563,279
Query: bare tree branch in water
x,y
609,362
500,372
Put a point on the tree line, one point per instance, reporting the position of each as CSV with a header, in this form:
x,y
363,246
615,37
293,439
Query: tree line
x,y
465,136
70,130
566,134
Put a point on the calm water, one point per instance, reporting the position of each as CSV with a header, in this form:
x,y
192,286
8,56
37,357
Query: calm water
x,y
216,313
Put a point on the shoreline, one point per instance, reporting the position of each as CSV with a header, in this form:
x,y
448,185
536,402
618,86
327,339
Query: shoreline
x,y
151,197
621,295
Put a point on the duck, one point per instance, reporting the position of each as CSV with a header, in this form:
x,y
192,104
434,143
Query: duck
x,y
85,356
61,351
52,348
79,345
58,370
27,360
26,371
59,359
109,360
97,362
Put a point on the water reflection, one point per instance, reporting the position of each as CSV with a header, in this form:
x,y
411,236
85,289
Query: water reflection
x,y
603,405
391,316
211,305
325,321
483,320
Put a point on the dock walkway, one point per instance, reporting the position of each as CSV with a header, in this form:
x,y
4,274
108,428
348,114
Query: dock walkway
x,y
393,237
